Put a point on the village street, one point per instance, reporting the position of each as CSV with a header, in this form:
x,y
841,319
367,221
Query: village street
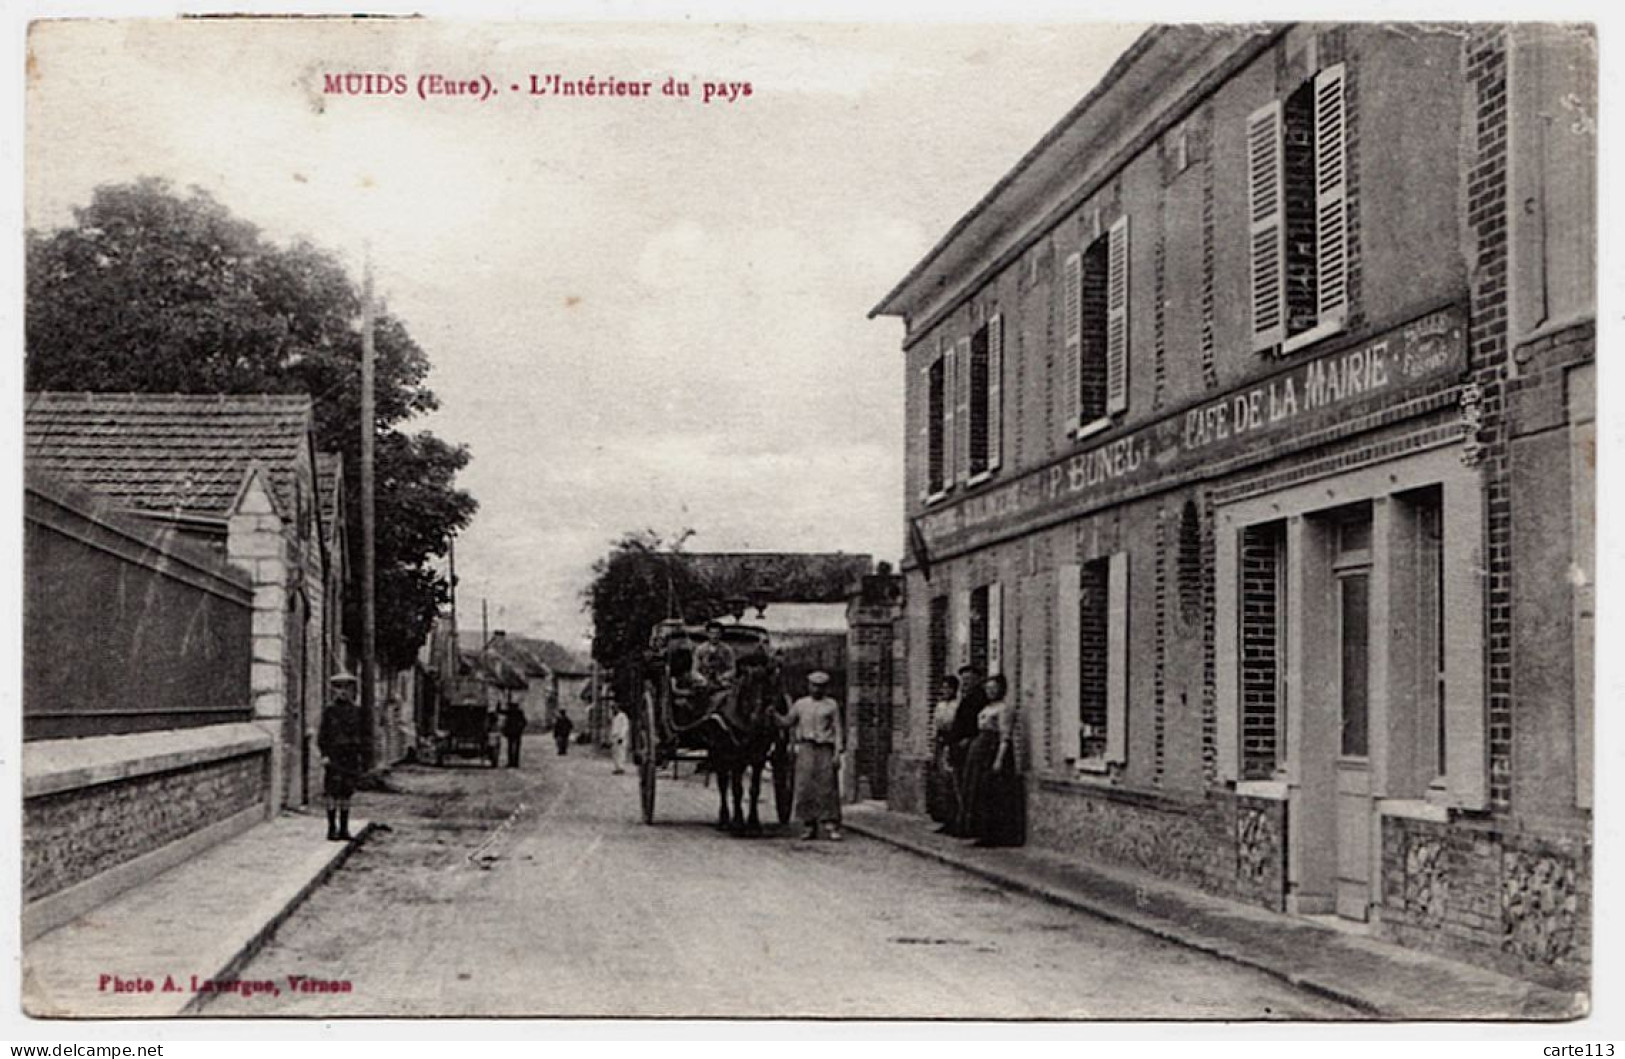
x,y
541,892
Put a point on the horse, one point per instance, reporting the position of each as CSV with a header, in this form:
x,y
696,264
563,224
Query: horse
x,y
743,736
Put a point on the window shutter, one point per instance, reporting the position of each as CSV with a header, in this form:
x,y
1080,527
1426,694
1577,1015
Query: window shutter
x,y
995,391
1117,317
1117,659
961,629
962,411
1072,354
924,460
1068,743
950,441
1266,227
995,628
1331,180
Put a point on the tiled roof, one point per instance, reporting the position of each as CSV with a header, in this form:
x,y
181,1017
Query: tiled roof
x,y
171,453
551,655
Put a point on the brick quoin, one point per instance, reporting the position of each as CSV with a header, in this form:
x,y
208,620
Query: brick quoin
x,y
1210,369
1159,717
1486,211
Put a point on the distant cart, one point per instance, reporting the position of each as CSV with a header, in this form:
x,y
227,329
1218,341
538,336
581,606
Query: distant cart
x,y
468,730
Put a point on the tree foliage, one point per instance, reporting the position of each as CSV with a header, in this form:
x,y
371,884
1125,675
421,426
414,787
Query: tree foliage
x,y
643,580
151,291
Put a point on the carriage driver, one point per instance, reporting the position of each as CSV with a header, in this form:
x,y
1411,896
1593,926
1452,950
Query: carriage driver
x,y
714,663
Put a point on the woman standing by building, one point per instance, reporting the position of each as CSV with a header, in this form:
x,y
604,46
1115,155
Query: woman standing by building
x,y
992,787
820,739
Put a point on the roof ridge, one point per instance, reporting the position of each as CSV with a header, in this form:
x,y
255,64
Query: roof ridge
x,y
135,396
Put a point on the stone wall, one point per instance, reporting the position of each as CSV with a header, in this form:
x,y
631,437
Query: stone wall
x,y
1508,900
72,835
1228,844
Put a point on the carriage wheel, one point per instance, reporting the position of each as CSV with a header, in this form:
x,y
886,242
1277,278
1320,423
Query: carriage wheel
x,y
648,766
784,782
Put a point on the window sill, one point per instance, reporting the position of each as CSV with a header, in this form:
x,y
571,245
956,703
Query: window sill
x,y
1089,430
1272,790
1313,335
978,478
1413,809
936,498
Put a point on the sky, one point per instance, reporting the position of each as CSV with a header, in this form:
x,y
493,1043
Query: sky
x,y
641,311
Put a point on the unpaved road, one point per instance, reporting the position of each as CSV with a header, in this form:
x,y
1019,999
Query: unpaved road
x,y
540,892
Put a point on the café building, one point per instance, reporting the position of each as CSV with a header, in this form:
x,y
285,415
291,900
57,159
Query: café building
x,y
1222,408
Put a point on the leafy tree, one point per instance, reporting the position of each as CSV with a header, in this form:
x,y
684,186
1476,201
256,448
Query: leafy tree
x,y
151,291
642,580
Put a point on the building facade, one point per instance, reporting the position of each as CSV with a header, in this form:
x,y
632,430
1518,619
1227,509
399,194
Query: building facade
x,y
1249,434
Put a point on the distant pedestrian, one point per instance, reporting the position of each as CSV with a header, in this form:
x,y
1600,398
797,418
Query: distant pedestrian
x,y
819,733
942,724
514,723
992,787
341,741
562,727
620,730
972,697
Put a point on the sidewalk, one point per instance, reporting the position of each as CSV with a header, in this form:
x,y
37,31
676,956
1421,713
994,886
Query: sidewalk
x,y
1385,980
199,922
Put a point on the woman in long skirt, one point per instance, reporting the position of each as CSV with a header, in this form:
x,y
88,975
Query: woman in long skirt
x,y
820,738
993,789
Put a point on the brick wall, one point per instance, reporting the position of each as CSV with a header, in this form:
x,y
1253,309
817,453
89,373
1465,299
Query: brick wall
x,y
1092,351
1092,637
1260,649
71,836
871,619
1298,124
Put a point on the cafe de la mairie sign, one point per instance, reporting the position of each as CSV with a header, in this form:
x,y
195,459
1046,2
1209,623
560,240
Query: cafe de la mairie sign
x,y
1279,414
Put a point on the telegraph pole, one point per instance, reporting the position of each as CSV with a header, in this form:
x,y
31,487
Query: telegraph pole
x,y
369,556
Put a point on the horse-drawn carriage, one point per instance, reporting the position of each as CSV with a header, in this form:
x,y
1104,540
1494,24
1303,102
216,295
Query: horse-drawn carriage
x,y
730,729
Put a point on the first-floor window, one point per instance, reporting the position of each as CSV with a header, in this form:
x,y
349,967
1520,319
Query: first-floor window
x,y
1262,594
1093,645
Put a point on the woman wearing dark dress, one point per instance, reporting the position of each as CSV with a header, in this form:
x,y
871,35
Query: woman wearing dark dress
x,y
992,787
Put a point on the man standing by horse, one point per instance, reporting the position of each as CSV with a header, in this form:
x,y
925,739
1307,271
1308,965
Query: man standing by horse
x,y
818,725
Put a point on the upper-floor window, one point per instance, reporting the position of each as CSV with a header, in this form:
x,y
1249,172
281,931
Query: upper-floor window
x,y
985,420
964,432
1096,318
1297,177
939,427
